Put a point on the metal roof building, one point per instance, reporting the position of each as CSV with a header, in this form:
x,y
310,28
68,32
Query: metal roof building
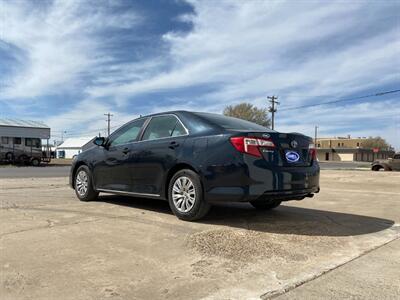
x,y
24,128
73,146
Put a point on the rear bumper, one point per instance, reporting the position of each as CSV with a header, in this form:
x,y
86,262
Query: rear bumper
x,y
259,182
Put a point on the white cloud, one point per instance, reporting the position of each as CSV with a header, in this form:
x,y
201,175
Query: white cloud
x,y
240,50
250,48
86,119
58,43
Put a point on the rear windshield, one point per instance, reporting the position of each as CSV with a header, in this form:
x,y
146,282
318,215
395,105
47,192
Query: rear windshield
x,y
231,123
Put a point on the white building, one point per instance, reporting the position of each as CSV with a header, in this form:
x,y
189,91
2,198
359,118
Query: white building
x,y
71,147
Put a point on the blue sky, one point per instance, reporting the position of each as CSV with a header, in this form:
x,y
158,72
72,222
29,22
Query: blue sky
x,y
69,62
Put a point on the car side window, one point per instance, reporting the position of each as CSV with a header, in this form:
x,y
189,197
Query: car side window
x,y
178,130
127,134
162,127
397,156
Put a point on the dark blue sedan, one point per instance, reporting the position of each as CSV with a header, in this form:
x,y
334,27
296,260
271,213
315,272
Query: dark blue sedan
x,y
196,159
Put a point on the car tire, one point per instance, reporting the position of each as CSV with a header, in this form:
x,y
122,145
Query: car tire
x,y
10,156
83,185
265,204
377,168
35,162
186,197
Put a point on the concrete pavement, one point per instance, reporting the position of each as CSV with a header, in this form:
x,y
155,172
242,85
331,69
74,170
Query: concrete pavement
x,y
376,275
53,246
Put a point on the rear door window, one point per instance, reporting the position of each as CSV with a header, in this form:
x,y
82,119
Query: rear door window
x,y
163,127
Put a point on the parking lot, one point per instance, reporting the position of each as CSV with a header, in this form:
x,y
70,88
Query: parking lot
x,y
53,246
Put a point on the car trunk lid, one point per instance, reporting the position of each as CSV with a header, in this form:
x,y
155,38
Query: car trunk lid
x,y
289,150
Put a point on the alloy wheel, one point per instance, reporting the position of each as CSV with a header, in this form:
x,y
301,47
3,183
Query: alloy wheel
x,y
183,194
82,183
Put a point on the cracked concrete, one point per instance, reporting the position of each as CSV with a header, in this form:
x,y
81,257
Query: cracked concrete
x,y
53,246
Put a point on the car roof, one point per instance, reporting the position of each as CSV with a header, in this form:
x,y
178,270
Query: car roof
x,y
168,112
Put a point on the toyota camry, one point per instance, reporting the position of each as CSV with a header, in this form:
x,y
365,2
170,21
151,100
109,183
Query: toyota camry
x,y
193,160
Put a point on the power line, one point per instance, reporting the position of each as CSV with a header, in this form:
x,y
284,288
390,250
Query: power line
x,y
341,100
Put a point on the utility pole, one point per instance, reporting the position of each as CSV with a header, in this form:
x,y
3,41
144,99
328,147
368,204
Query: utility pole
x,y
62,135
272,109
315,136
108,122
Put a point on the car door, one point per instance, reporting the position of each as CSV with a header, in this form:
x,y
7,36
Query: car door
x,y
114,169
157,152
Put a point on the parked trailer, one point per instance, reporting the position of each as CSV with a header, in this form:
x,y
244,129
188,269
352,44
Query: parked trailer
x,y
21,141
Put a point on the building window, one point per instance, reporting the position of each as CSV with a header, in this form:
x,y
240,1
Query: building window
x,y
4,140
342,144
17,141
358,144
338,144
61,154
319,145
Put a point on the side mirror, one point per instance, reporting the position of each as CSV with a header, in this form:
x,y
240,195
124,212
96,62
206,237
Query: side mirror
x,y
99,141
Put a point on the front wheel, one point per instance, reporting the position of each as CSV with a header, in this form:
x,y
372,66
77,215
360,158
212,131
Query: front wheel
x,y
9,156
266,204
83,185
185,196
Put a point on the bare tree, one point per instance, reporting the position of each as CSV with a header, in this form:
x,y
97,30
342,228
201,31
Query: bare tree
x,y
376,142
249,112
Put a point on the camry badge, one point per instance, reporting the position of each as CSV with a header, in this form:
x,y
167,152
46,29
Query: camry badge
x,y
293,144
266,135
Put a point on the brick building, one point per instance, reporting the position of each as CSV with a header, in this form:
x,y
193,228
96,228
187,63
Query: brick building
x,y
348,149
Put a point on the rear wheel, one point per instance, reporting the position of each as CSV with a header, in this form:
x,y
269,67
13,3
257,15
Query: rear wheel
x,y
265,204
83,184
185,195
35,162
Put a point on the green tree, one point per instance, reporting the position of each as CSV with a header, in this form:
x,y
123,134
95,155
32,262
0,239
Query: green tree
x,y
249,112
376,142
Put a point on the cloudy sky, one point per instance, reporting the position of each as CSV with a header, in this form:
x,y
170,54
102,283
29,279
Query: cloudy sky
x,y
69,62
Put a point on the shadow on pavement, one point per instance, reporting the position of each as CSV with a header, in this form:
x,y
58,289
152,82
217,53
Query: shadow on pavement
x,y
282,220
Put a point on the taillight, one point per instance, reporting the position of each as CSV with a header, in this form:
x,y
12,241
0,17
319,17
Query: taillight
x,y
312,151
251,145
